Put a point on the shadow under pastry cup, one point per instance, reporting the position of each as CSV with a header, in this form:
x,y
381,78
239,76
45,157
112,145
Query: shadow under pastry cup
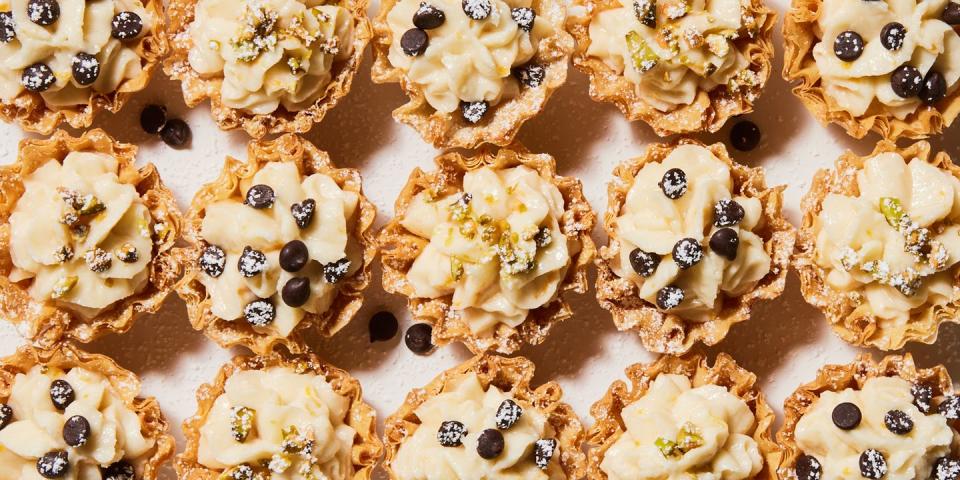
x,y
199,87
710,108
475,122
47,320
345,280
401,247
518,413
35,367
365,448
29,109
921,425
666,328
801,34
611,426
896,318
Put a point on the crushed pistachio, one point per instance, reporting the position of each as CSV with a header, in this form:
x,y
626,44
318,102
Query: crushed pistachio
x,y
241,422
456,269
516,257
677,9
98,260
849,258
63,254
279,463
296,443
646,12
63,286
91,205
69,218
718,45
642,56
460,208
667,447
72,198
242,472
258,34
79,232
543,237
296,65
127,253
892,211
689,437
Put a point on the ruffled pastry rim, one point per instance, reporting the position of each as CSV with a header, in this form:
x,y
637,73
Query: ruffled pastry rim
x,y
30,111
125,384
47,323
836,378
664,332
309,160
800,68
400,247
842,311
510,375
724,372
708,112
450,130
367,447
197,89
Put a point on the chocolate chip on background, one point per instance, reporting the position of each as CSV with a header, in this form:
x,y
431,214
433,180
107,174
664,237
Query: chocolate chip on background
x,y
951,14
946,468
725,242
8,27
260,313
490,444
687,252
176,133
922,397
898,422
428,17
846,416
294,256
808,468
892,36
419,338
543,451
477,9
644,263
303,212
119,471
126,25
153,118
934,87
76,431
43,12
260,196
906,81
85,68
296,292
414,42
674,183
473,112
670,297
508,414
62,394
252,262
727,213
383,326
873,465
524,17
38,77
53,464
745,135
333,272
531,74
6,415
848,46
950,407
212,260
451,433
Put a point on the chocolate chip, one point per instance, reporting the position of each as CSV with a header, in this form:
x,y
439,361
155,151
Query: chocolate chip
x,y
687,252
153,118
946,468
490,444
745,135
892,36
922,397
950,407
451,433
674,183
848,46
808,468
212,260
872,464
119,471
252,262
543,451
43,12
951,14
727,213
296,292
418,338
126,25
524,17
260,196
333,272
846,416
906,81
414,42
644,263
934,87
176,133
260,313
76,431
37,77
531,74
6,415
508,413
8,27
86,68
473,112
303,212
53,464
477,9
294,256
62,394
725,242
383,326
428,17
898,422
670,297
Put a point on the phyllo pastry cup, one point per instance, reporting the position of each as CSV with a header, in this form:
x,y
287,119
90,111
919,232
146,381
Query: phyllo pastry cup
x,y
682,416
289,415
64,61
696,240
484,419
279,245
485,248
856,65
879,245
869,419
65,413
474,72
86,238
680,66
268,67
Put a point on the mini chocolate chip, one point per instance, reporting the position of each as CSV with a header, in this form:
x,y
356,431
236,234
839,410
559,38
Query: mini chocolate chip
x,y
428,17
906,81
252,262
418,338
383,326
414,42
725,242
524,17
951,14
6,415
745,135
892,36
490,444
8,27
119,471
846,416
477,9
53,464
473,112
126,25
260,196
950,407
43,12
670,297
644,263
946,468
212,260
153,118
259,313
687,252
294,256
176,133
848,46
62,394
303,212
37,77
531,74
922,397
543,451
808,468
86,68
508,414
674,183
898,422
727,213
333,272
451,433
76,431
296,292
934,87
872,464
